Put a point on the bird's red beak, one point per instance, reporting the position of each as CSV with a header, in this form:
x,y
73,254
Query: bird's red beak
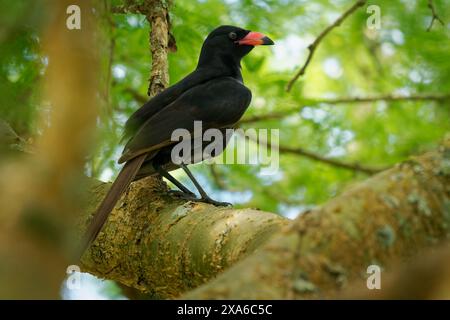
x,y
255,39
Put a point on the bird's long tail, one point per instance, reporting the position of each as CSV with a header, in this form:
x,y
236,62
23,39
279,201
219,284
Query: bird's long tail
x,y
118,187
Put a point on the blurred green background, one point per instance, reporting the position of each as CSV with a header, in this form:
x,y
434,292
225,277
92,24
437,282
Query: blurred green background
x,y
401,58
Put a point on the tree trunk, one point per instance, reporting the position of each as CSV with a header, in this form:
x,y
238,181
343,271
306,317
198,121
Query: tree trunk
x,y
164,246
39,193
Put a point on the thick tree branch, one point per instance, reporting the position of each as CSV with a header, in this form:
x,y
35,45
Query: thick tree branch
x,y
425,277
434,16
313,46
391,216
164,246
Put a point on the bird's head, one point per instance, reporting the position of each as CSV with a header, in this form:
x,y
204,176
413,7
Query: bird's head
x,y
230,44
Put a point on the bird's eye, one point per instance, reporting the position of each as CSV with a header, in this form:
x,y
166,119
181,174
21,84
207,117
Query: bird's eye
x,y
232,35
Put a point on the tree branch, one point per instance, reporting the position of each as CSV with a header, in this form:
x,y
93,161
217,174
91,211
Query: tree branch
x,y
314,156
157,15
389,97
434,15
8,136
425,277
313,46
390,216
136,95
130,6
165,246
333,162
112,46
162,245
267,116
217,177
316,101
160,39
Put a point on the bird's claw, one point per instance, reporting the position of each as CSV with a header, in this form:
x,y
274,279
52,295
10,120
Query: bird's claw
x,y
183,195
214,202
192,197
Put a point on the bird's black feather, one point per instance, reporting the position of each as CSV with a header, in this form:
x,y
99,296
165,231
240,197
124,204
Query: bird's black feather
x,y
203,103
165,98
214,94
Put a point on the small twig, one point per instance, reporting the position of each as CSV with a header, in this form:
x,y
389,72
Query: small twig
x,y
217,177
160,40
280,196
389,97
130,6
435,15
156,13
267,116
314,156
125,10
313,46
136,95
336,163
10,139
315,101
112,46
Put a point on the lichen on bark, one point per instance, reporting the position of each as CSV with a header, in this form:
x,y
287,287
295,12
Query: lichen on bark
x,y
387,218
165,246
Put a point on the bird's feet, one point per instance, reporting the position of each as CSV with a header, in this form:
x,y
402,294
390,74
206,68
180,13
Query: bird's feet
x,y
183,195
190,196
214,202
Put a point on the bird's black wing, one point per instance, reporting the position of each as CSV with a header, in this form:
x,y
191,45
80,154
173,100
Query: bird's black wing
x,y
217,103
166,97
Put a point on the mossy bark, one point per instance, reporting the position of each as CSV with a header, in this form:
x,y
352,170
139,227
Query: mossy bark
x,y
165,246
387,218
426,276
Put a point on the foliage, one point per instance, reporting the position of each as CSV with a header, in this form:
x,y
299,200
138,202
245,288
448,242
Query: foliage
x,y
400,58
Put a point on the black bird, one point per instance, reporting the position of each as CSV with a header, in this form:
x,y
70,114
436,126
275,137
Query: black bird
x,y
213,94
